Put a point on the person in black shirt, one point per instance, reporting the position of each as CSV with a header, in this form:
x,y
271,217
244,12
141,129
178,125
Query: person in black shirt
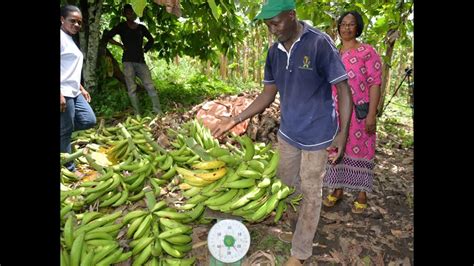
x,y
131,35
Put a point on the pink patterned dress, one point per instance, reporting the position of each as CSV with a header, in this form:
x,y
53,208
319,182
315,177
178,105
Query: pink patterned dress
x,y
355,171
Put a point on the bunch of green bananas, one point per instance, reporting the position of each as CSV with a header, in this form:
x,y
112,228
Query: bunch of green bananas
x,y
251,190
139,161
240,180
201,134
158,231
93,240
103,135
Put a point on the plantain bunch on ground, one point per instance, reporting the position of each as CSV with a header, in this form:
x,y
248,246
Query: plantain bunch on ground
x,y
123,210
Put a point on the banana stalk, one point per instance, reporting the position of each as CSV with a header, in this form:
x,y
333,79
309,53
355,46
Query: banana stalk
x,y
197,149
66,157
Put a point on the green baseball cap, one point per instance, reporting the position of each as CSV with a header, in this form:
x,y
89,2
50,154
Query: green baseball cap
x,y
271,8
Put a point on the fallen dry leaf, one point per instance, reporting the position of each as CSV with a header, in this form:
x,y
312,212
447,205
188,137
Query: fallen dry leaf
x,y
378,260
399,233
266,258
376,228
332,216
400,262
339,257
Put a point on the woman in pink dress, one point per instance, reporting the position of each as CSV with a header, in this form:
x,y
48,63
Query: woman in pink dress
x,y
364,68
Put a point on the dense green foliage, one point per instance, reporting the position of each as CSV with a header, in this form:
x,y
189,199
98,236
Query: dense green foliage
x,y
198,33
397,121
178,86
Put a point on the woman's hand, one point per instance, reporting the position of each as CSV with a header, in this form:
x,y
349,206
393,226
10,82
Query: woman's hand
x,y
86,95
62,103
370,124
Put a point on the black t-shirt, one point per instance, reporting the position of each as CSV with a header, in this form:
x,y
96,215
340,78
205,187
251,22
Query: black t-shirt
x,y
132,40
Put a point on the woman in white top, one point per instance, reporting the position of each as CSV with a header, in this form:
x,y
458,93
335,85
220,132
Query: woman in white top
x,y
76,113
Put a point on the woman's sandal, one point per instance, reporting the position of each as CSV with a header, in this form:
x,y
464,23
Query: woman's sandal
x,y
330,200
359,207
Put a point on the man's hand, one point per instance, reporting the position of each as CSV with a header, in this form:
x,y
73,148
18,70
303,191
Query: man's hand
x,y
370,124
225,125
337,148
86,95
262,101
62,103
345,110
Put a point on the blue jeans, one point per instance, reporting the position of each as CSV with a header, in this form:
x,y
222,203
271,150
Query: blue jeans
x,y
78,116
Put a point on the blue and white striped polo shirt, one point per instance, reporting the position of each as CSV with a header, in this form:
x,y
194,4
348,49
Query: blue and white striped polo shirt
x,y
303,78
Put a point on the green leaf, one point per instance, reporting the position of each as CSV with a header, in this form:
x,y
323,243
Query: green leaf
x,y
213,6
138,6
366,261
380,22
225,6
360,5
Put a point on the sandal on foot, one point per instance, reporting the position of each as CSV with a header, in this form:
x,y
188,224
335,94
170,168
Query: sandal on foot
x,y
359,207
330,200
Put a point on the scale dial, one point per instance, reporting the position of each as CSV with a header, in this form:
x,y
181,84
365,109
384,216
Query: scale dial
x,y
228,240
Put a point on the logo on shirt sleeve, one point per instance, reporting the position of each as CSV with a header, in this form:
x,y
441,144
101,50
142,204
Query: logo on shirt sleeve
x,y
306,63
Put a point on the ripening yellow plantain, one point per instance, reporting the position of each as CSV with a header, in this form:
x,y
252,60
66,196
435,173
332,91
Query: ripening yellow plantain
x,y
183,171
190,177
207,165
213,176
202,183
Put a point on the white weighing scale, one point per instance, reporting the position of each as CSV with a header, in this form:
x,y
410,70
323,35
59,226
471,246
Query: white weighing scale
x,y
228,241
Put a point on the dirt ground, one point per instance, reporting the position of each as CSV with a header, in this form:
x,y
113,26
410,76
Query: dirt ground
x,y
382,235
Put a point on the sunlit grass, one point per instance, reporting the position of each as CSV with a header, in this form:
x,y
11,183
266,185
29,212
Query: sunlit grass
x,y
397,121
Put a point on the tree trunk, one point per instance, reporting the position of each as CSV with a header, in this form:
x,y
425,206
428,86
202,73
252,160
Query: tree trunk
x,y
269,38
223,66
237,71
245,73
254,58
176,60
118,74
392,36
208,68
259,50
94,12
332,31
400,71
84,33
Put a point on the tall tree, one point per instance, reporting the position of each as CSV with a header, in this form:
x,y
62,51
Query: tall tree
x,y
91,48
